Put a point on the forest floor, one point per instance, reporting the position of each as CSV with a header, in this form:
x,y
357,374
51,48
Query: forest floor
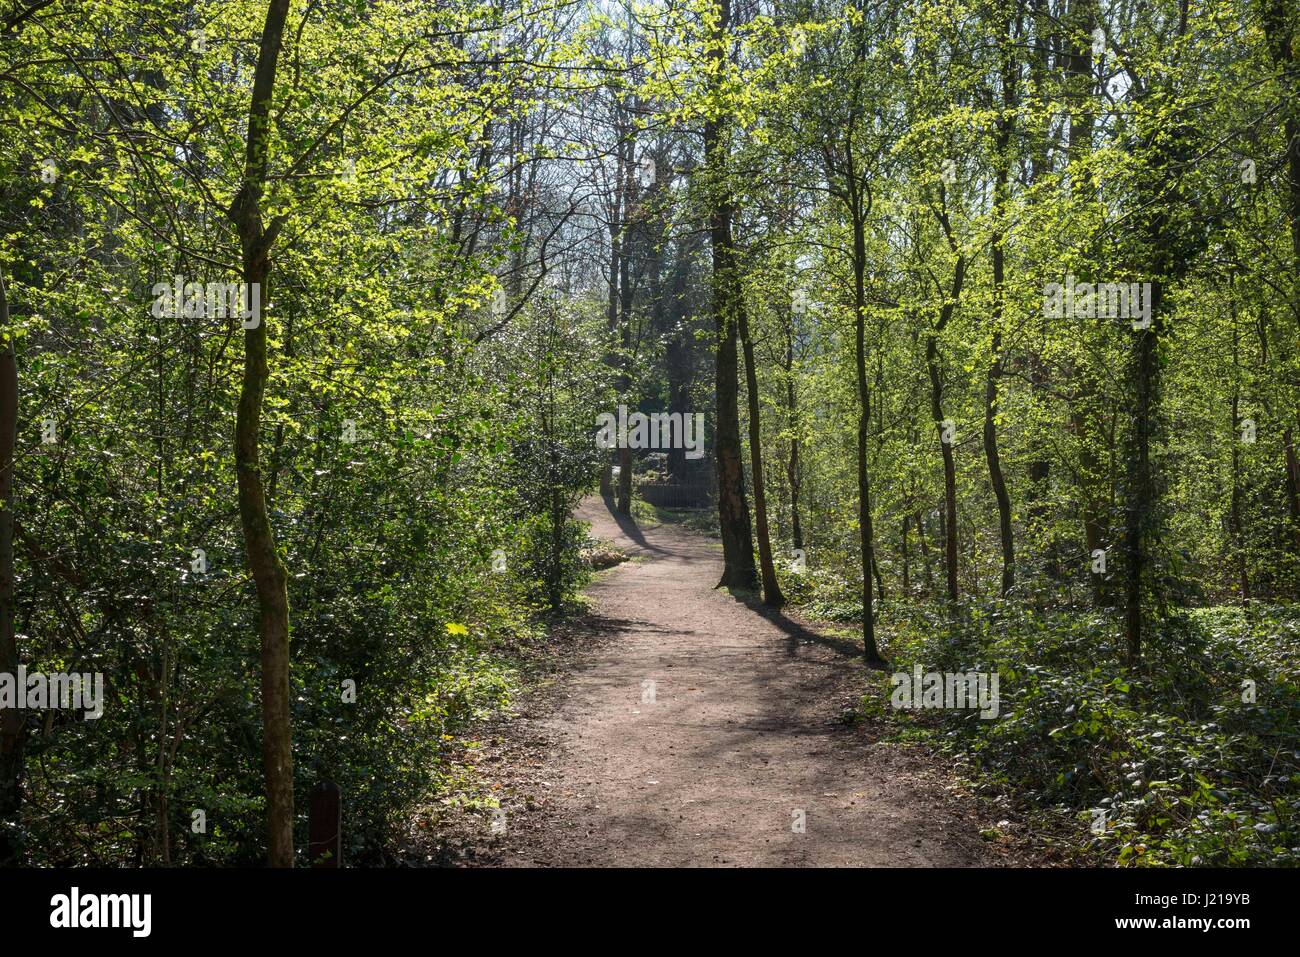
x,y
753,727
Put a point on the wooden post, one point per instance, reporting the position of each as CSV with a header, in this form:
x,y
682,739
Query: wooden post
x,y
325,828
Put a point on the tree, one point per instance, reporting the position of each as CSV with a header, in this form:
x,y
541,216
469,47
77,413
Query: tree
x,y
733,508
269,574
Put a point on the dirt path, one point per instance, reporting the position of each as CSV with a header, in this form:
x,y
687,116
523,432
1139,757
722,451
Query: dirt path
x,y
744,731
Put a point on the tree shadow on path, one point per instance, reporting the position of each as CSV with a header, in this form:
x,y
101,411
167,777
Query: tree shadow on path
x,y
628,526
797,632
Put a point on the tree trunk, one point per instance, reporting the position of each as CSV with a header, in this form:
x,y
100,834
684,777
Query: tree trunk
x,y
903,554
1140,497
772,596
733,510
995,463
1096,530
1279,30
792,467
624,501
614,358
1155,197
1003,160
679,397
12,720
936,411
1236,530
924,547
1236,526
1081,87
870,650
679,350
1292,485
269,575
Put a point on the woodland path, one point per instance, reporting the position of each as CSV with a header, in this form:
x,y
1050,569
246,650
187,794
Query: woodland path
x,y
745,729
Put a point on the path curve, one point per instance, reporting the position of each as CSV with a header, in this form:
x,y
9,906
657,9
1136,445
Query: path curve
x,y
745,731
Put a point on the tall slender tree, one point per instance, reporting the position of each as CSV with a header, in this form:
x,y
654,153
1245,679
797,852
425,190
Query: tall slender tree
x,y
733,507
269,574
